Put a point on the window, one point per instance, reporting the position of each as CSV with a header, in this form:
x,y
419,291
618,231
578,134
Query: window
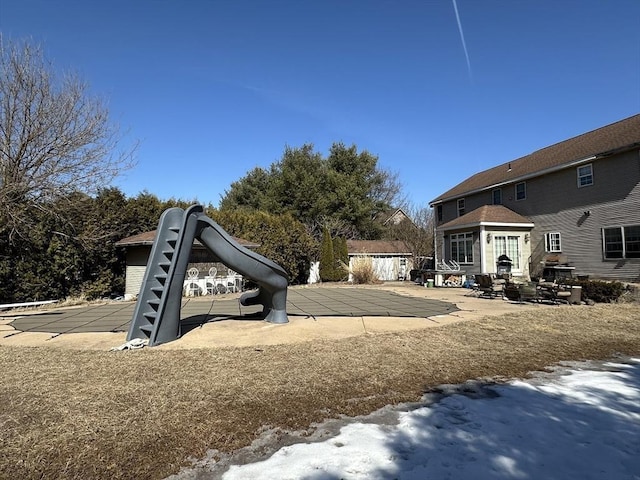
x,y
460,207
462,247
552,242
621,242
439,213
521,191
497,196
632,242
613,243
509,246
585,176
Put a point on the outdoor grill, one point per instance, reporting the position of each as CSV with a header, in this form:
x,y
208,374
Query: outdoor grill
x,y
503,265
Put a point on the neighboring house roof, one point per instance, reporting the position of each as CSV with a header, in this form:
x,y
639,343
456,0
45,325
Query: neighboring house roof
x,y
373,247
147,238
488,215
602,142
392,216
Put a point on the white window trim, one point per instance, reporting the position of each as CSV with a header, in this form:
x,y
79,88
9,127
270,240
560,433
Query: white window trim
x,y
517,261
463,237
515,191
547,242
578,176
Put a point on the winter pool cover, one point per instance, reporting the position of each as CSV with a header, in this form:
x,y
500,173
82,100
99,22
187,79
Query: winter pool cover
x,y
314,302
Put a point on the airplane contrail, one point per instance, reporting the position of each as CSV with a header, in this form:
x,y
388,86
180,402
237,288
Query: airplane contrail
x,y
464,44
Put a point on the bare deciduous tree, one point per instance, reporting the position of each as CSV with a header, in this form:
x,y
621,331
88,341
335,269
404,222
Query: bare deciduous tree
x,y
418,234
55,138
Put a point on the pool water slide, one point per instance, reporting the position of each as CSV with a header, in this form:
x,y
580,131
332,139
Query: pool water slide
x,y
157,312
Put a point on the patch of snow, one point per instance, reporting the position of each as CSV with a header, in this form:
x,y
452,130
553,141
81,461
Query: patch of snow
x,y
581,422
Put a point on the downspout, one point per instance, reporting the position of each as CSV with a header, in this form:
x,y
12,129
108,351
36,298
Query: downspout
x,y
483,258
435,247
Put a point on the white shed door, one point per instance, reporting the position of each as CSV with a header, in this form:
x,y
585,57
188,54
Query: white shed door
x,y
385,268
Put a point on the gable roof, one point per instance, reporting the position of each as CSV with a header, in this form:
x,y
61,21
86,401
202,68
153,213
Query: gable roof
x,y
392,216
147,238
602,142
371,247
488,215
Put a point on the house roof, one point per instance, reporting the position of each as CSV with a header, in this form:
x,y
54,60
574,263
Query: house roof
x,y
392,215
147,238
371,247
601,142
488,215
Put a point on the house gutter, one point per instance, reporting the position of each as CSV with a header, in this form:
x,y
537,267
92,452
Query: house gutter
x,y
487,224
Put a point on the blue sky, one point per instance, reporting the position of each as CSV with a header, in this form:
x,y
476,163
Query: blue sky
x,y
215,88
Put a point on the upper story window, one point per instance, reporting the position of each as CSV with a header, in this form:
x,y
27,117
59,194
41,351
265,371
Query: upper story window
x,y
621,242
585,175
439,212
552,242
521,191
497,196
460,207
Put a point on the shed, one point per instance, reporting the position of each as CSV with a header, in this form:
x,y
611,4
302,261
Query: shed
x,y
138,249
391,259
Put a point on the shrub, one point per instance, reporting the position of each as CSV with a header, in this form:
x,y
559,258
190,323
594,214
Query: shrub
x,y
600,291
631,294
362,271
282,238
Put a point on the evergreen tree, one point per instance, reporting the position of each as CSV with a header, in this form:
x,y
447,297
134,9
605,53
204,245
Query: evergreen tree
x,y
341,255
327,258
344,191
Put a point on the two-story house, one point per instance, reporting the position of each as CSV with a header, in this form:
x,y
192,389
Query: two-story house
x,y
576,202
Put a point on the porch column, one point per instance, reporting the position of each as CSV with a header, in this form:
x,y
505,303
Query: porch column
x,y
483,257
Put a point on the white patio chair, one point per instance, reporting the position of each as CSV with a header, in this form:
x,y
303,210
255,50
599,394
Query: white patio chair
x,y
193,289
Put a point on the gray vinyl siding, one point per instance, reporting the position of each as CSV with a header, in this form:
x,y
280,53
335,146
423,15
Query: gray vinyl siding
x,y
615,179
555,203
558,205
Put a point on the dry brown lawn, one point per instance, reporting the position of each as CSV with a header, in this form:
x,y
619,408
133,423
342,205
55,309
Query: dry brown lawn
x,y
142,414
